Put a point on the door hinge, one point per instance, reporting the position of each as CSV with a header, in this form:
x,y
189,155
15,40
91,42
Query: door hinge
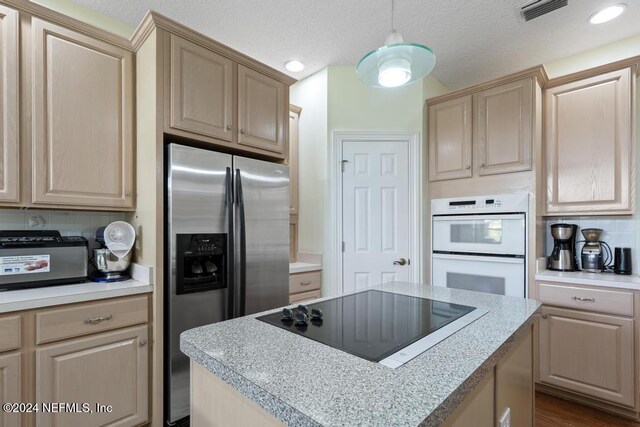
x,y
343,163
342,246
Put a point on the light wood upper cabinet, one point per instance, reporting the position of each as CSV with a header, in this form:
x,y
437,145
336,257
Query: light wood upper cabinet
x,y
9,170
503,128
590,151
262,104
201,84
10,388
589,353
82,110
450,134
109,368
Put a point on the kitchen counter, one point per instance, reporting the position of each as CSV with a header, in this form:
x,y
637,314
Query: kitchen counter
x,y
305,383
606,280
26,299
303,267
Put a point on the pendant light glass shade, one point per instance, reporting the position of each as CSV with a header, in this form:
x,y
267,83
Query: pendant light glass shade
x,y
396,63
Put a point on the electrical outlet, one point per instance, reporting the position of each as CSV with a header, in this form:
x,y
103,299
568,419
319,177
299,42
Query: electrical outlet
x,y
505,419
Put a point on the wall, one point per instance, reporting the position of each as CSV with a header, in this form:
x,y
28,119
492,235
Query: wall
x,y
335,100
90,16
68,223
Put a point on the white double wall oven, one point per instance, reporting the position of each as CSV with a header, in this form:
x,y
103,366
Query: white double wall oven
x,y
480,243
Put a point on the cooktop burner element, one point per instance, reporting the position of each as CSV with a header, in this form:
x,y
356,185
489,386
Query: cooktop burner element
x,y
378,326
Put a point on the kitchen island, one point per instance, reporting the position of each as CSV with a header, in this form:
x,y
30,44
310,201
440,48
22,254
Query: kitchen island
x,y
245,371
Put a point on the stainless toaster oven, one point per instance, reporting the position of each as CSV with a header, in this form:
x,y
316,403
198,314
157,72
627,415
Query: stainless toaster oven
x,y
31,259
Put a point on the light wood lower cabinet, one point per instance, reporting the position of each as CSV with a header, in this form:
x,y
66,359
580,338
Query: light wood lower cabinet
x,y
10,388
9,160
109,369
305,286
82,109
592,354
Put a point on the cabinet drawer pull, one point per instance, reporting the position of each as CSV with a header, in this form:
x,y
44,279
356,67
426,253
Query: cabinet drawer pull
x,y
96,320
307,283
575,298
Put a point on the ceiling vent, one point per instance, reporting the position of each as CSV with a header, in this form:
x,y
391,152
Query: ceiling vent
x,y
538,8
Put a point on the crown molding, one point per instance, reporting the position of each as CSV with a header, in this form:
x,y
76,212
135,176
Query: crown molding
x,y
632,62
38,11
155,20
537,72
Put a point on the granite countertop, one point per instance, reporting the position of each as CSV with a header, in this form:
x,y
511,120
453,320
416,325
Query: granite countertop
x,y
26,299
606,280
305,383
303,267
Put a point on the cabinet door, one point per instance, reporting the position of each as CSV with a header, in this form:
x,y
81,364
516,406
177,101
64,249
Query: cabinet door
x,y
588,353
9,170
82,120
294,118
503,128
106,369
201,90
10,388
262,112
588,144
450,139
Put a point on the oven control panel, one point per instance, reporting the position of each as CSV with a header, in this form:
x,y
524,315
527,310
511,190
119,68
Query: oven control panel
x,y
516,202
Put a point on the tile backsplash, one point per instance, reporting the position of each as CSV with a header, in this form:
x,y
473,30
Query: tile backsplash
x,y
69,223
618,232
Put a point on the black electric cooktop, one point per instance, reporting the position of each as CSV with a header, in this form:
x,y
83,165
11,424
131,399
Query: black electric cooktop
x,y
372,324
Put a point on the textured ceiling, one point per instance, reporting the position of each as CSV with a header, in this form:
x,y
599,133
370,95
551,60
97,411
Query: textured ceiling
x,y
474,40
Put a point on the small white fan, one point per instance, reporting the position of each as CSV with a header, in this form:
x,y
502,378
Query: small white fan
x,y
119,237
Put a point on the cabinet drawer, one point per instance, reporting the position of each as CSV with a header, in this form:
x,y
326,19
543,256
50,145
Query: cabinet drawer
x,y
598,300
10,333
52,325
304,296
304,282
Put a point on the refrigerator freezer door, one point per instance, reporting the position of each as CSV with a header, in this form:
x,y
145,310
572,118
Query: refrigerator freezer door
x,y
262,218
195,204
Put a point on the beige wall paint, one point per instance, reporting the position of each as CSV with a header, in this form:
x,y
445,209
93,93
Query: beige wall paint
x,y
89,16
611,52
335,100
311,95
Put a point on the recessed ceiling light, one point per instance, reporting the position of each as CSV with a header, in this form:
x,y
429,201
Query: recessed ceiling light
x,y
294,66
607,13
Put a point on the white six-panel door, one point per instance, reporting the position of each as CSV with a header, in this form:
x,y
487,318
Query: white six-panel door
x,y
376,214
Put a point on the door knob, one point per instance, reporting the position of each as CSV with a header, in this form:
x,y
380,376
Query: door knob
x,y
401,261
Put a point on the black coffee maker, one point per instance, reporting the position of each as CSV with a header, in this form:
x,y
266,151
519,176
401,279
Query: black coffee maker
x,y
563,256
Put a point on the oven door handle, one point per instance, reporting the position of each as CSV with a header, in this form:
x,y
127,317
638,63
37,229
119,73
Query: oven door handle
x,y
472,217
480,258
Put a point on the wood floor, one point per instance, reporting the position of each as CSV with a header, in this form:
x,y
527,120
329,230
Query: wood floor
x,y
555,412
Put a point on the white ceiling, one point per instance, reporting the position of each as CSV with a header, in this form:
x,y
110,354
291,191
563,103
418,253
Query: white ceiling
x,y
474,40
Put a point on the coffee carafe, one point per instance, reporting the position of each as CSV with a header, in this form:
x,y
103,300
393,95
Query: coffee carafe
x,y
563,256
593,251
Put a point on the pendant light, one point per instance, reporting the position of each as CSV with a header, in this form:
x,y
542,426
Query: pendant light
x,y
396,63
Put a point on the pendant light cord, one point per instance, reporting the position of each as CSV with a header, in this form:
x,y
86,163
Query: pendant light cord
x,y
393,7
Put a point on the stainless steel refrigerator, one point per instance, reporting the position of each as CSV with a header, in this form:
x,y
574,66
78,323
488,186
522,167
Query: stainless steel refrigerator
x,y
227,242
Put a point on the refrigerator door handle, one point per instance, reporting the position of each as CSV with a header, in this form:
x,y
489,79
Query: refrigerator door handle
x,y
230,247
242,283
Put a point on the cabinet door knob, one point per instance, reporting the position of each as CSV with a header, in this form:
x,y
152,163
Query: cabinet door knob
x,y
242,131
143,343
228,127
127,193
544,316
481,165
468,167
549,202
